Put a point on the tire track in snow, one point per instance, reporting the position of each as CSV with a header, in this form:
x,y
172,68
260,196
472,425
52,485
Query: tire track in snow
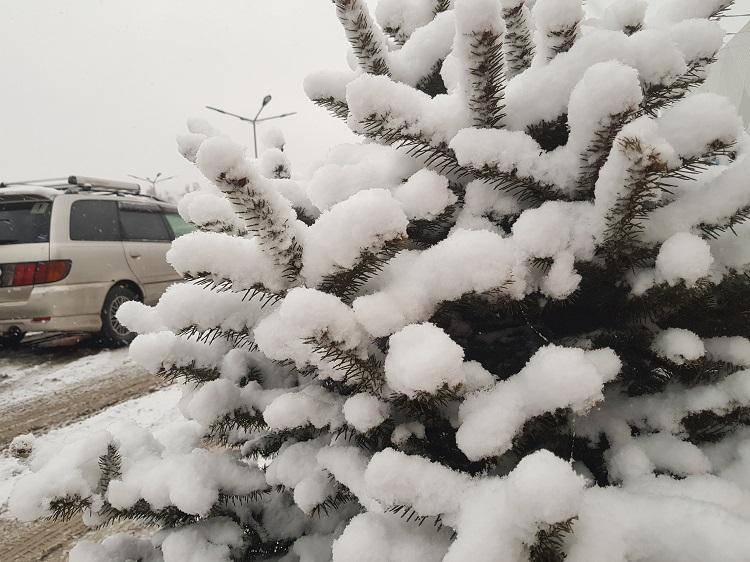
x,y
75,402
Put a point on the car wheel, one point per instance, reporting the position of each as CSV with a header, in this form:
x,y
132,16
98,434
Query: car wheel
x,y
114,334
12,339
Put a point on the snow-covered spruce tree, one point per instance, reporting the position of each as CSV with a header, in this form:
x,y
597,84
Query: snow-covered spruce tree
x,y
511,325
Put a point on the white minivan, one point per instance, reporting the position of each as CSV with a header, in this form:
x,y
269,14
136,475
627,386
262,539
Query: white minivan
x,y
71,252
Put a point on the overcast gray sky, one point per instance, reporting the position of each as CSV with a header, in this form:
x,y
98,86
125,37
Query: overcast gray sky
x,y
101,87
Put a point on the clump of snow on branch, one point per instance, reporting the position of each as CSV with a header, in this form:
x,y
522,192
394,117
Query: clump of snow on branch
x,y
683,257
679,345
490,419
370,218
407,368
303,315
438,274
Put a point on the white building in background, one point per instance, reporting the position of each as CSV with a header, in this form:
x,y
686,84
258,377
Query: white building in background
x,y
729,76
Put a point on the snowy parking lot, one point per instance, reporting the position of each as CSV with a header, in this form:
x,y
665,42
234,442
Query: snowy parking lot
x,y
43,388
58,394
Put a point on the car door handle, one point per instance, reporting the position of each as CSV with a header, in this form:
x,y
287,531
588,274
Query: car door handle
x,y
135,256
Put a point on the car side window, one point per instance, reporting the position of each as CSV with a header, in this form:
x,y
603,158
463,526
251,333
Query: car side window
x,y
178,225
94,221
143,223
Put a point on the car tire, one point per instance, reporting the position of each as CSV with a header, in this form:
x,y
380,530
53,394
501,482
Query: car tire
x,y
12,339
114,334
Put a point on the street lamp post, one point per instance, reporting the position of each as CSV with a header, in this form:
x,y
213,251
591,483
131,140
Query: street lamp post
x,y
255,120
157,179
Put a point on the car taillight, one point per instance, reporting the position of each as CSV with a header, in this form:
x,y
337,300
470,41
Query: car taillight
x,y
24,274
51,271
33,273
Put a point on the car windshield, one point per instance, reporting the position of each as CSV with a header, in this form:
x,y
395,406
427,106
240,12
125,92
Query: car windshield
x,y
24,222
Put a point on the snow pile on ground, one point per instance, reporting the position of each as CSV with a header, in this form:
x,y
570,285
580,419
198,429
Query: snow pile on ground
x,y
155,411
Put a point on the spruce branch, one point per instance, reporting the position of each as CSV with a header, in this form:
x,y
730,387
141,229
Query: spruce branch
x,y
364,374
426,232
110,468
268,445
550,134
235,500
364,36
718,309
338,387
168,517
264,295
426,406
562,39
237,338
190,373
399,36
551,430
496,301
486,80
205,279
220,226
303,216
371,441
550,542
442,6
714,231
649,178
693,373
443,160
253,374
662,300
632,29
518,44
346,283
439,158
281,172
67,507
712,310
709,427
432,83
238,420
261,219
264,550
409,515
598,150
337,108
722,10
525,189
332,503
171,517
659,96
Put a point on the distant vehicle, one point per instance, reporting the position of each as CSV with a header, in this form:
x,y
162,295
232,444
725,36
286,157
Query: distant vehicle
x,y
72,251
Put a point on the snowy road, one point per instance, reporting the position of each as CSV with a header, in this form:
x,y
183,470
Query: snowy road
x,y
43,389
60,394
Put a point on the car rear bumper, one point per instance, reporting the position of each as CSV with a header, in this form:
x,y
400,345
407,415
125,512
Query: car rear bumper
x,y
87,323
55,308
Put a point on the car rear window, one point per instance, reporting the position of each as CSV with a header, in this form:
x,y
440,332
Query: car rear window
x,y
94,221
143,223
24,222
178,225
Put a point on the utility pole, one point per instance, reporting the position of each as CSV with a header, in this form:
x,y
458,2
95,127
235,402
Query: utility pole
x,y
255,120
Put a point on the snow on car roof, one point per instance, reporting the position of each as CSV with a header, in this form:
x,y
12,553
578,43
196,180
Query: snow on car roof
x,y
46,192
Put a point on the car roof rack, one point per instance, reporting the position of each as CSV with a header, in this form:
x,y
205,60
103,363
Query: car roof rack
x,y
77,184
98,184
